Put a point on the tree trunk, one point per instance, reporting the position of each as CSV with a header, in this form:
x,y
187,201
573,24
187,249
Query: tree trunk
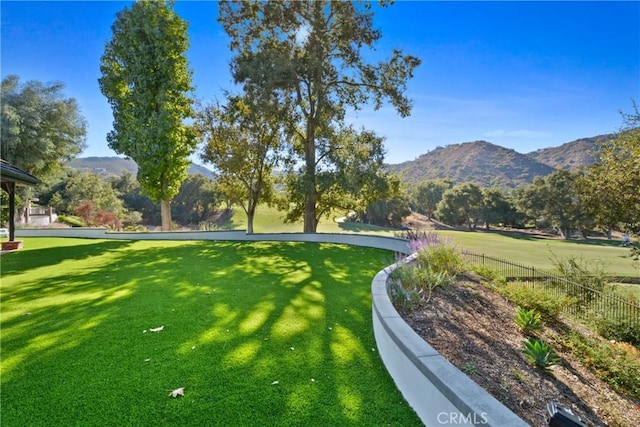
x,y
251,212
165,213
310,223
311,197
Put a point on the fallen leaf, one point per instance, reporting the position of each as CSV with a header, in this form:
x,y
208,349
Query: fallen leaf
x,y
158,329
292,349
177,392
275,383
193,348
146,360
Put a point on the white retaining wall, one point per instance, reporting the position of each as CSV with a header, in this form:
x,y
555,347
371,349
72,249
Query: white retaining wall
x,y
438,392
380,242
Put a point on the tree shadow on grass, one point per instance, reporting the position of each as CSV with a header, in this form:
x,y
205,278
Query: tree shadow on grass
x,y
20,261
358,227
236,316
519,235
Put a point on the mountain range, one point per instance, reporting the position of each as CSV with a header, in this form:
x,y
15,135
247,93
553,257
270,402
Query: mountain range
x,y
116,166
481,162
490,165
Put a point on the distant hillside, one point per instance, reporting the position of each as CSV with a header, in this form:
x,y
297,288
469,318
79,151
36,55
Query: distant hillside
x,y
116,166
482,162
571,155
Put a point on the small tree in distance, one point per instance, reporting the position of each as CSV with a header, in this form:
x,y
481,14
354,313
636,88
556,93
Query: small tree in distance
x,y
242,144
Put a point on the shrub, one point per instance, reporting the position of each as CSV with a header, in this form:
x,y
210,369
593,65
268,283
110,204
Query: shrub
x,y
418,240
442,258
528,320
73,221
616,366
86,211
403,299
136,228
488,273
619,328
578,271
414,282
540,354
544,301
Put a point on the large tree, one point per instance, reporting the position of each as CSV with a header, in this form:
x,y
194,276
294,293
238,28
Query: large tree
x,y
461,204
427,194
41,129
350,177
196,201
311,55
145,77
498,208
554,200
611,186
243,145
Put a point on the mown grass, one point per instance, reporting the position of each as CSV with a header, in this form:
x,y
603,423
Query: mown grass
x,y
517,247
540,253
237,318
270,220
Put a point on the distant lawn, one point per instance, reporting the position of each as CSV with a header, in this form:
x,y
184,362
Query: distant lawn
x,y
626,290
528,250
257,334
271,220
539,253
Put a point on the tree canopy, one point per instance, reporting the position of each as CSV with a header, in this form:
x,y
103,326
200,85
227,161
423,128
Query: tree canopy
x,y
611,185
145,77
41,130
311,55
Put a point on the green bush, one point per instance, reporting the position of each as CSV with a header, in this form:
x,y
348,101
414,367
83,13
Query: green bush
x,y
441,258
414,282
544,301
73,221
616,366
488,273
403,299
619,328
577,270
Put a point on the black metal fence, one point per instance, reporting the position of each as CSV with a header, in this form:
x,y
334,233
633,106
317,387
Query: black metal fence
x,y
589,303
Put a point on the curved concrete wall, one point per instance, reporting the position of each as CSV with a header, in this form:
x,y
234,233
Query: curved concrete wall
x,y
372,241
438,392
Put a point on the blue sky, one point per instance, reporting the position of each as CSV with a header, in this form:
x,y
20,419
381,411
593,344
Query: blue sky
x,y
524,75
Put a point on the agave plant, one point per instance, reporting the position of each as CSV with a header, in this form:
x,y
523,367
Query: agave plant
x,y
528,320
540,354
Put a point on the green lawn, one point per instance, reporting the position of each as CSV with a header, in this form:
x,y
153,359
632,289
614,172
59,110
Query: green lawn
x,y
539,253
520,248
270,220
627,290
256,333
